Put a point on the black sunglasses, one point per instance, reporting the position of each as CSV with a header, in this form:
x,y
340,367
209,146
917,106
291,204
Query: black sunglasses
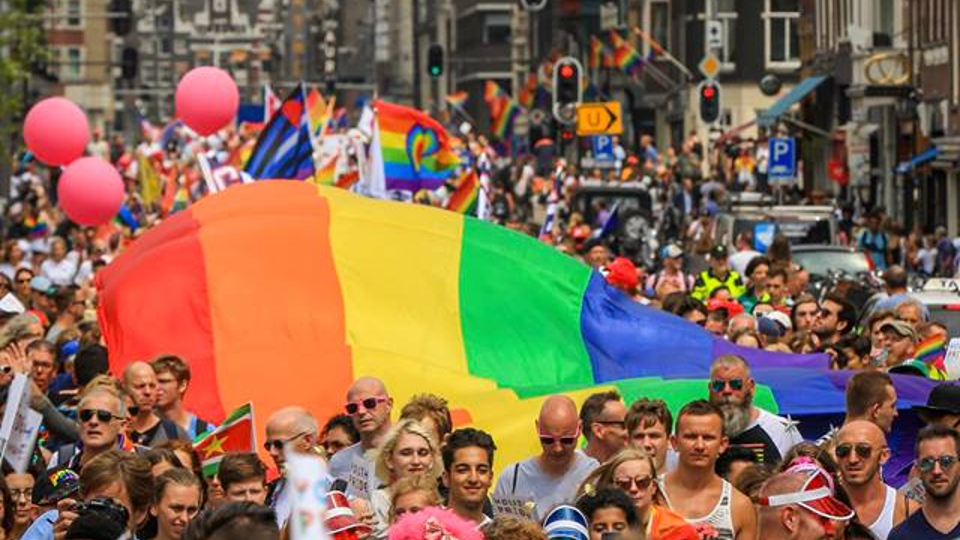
x,y
717,385
103,416
927,464
843,451
277,444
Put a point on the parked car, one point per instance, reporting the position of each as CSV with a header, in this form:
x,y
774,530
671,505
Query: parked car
x,y
840,268
634,233
942,298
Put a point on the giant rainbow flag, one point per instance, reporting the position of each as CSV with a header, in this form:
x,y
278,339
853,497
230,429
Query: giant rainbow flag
x,y
282,293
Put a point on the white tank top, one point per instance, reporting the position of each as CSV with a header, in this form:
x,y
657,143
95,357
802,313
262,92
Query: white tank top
x,y
881,527
721,517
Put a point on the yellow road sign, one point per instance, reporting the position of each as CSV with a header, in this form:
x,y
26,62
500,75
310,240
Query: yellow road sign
x,y
710,66
604,118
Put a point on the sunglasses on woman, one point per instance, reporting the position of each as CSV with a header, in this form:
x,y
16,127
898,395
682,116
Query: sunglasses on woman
x,y
642,482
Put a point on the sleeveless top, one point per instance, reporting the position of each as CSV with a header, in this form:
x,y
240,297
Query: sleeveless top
x,y
884,522
721,517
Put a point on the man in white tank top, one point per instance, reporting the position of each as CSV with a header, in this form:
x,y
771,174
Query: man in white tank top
x,y
861,451
694,490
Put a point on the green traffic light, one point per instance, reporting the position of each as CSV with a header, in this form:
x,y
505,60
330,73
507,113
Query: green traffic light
x,y
435,71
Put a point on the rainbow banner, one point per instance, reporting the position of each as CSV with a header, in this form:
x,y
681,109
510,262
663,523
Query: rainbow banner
x,y
932,352
502,126
457,99
426,299
625,56
415,148
464,198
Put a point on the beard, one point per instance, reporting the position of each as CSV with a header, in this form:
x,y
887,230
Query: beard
x,y
941,493
736,415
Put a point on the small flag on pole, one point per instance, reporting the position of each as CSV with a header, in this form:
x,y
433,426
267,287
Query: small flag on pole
x,y
236,434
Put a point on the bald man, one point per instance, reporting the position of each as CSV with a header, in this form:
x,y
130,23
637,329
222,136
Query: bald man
x,y
146,428
791,508
369,406
292,427
532,487
861,451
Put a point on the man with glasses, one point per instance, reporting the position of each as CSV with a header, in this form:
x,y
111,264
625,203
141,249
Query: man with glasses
x,y
746,425
861,451
603,417
293,426
939,518
942,409
369,406
101,416
532,487
693,489
838,317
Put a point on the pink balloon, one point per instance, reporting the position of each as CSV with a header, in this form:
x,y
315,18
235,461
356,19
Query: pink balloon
x,y
90,191
56,131
207,99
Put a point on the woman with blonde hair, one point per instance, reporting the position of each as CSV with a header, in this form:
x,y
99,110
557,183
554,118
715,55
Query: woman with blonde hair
x,y
633,471
408,449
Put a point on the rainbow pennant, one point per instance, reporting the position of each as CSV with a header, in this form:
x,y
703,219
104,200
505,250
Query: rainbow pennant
x,y
625,56
416,148
464,198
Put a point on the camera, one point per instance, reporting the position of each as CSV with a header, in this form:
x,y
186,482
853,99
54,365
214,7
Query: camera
x,y
101,518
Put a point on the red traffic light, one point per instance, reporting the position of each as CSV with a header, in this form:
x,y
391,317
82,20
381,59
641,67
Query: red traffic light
x,y
709,92
566,134
566,71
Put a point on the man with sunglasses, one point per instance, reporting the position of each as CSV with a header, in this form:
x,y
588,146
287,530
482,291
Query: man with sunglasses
x,y
293,426
369,406
939,518
838,317
603,417
747,426
530,488
100,414
146,427
861,451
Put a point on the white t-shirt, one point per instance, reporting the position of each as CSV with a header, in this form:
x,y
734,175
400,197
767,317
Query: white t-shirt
x,y
525,482
928,259
782,432
740,260
60,273
357,469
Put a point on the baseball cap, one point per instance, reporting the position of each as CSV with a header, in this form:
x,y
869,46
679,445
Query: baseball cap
x,y
816,495
55,485
733,308
42,285
567,523
622,272
719,251
901,327
11,305
780,318
912,367
671,251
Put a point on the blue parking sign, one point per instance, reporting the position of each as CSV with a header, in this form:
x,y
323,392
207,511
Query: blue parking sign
x,y
783,158
603,147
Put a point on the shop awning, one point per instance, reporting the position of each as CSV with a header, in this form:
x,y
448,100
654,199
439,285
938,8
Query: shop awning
x,y
769,117
927,155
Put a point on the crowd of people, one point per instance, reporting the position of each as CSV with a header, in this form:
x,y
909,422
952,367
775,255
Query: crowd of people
x,y
114,455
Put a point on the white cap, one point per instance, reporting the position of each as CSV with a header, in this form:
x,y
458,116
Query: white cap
x,y
10,304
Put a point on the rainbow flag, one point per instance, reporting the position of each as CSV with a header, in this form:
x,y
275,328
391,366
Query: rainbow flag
x,y
464,198
409,293
625,56
597,49
494,95
457,99
502,126
416,148
527,94
348,179
316,109
932,352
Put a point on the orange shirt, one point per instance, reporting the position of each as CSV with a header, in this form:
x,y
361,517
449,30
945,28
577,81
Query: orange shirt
x,y
666,524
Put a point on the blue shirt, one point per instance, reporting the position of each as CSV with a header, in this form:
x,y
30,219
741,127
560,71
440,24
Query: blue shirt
x,y
42,528
916,527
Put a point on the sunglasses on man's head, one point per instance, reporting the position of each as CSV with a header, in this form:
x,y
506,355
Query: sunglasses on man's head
x,y
863,450
718,385
927,464
103,416
369,404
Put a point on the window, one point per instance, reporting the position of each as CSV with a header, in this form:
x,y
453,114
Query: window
x,y
782,42
496,28
727,13
69,62
883,23
658,21
74,14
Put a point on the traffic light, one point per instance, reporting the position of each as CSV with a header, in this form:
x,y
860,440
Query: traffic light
x,y
709,92
567,89
129,60
435,60
121,12
567,134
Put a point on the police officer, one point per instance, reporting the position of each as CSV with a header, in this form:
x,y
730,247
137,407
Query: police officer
x,y
718,275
